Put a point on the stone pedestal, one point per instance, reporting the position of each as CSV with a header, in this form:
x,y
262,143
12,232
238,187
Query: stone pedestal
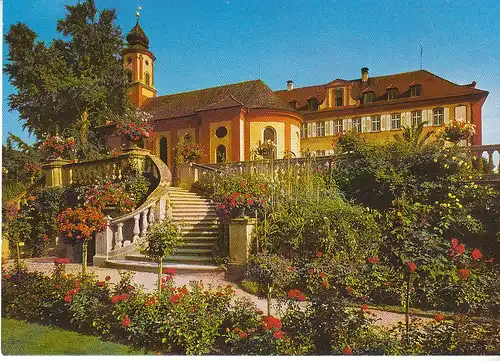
x,y
54,173
187,175
135,157
240,239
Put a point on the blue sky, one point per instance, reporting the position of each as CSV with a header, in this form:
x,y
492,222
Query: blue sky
x,y
207,43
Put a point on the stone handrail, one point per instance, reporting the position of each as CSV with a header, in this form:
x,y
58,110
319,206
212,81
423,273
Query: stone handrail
x,y
490,149
88,172
127,231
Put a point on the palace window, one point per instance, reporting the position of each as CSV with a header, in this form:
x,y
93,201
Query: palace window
x,y
220,155
320,129
416,117
303,131
391,94
269,134
438,118
415,90
461,112
337,126
396,121
312,104
368,97
163,150
320,153
356,125
376,123
339,97
146,76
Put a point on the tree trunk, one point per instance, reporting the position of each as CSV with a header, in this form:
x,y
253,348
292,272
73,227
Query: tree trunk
x,y
407,310
84,257
160,266
269,299
84,126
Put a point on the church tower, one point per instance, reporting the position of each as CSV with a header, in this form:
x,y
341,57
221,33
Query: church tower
x,y
139,61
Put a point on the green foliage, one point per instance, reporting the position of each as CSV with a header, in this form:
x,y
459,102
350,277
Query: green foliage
x,y
136,185
161,240
249,286
327,224
74,83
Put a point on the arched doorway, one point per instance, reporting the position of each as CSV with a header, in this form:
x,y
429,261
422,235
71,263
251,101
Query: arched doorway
x,y
220,155
163,150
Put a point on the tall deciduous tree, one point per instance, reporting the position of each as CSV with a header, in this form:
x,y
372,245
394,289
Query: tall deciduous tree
x,y
73,84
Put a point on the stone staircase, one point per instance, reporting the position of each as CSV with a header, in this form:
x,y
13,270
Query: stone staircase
x,y
199,230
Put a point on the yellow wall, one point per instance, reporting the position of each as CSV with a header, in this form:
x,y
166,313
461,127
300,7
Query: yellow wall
x,y
215,142
325,143
256,134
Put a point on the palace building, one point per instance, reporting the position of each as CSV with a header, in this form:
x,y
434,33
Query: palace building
x,y
229,121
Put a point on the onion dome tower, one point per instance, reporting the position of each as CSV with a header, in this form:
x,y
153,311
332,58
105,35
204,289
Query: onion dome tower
x,y
138,60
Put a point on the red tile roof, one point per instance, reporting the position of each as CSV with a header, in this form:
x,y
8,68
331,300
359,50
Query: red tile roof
x,y
251,94
433,87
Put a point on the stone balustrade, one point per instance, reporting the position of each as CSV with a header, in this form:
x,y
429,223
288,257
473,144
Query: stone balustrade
x,y
490,150
128,231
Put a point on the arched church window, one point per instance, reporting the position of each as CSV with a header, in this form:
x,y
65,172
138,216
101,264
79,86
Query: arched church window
x,y
269,134
163,150
220,154
147,78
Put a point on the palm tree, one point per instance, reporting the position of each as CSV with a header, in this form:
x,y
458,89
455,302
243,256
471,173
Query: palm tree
x,y
414,135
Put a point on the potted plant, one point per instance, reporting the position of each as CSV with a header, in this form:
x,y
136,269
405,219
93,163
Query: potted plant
x,y
189,151
457,130
135,128
77,226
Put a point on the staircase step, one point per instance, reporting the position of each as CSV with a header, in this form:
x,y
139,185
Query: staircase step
x,y
192,252
203,237
202,245
194,213
189,259
148,266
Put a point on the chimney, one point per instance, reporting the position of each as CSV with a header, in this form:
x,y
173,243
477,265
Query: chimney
x,y
289,85
364,75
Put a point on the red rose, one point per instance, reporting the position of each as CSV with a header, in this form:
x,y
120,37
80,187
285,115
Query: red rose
x,y
349,289
373,260
8,276
243,334
319,254
347,350
100,283
460,249
107,278
68,298
411,266
324,284
439,317
293,293
301,297
454,243
463,273
364,307
322,274
270,322
122,297
114,299
125,321
476,254
278,334
170,271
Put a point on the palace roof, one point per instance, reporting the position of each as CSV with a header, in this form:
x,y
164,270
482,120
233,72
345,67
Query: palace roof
x,y
433,87
250,94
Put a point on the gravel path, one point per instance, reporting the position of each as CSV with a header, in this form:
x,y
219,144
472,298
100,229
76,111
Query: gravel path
x,y
148,281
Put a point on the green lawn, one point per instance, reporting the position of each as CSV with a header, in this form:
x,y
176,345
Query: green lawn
x,y
22,338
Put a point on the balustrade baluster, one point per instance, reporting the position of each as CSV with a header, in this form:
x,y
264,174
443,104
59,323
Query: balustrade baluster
x,y
144,222
490,159
119,236
136,227
151,217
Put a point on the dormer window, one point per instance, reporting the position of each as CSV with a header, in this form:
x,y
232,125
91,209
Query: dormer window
x,y
293,103
392,93
415,90
368,97
312,104
339,97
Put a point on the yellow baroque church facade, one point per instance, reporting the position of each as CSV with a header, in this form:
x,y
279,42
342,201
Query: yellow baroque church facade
x,y
229,121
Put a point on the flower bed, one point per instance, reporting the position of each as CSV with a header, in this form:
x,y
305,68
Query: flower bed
x,y
200,320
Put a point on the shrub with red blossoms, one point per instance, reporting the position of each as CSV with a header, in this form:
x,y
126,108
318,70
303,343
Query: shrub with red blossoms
x,y
58,147
79,224
169,271
476,254
439,317
125,321
278,334
373,260
347,350
296,294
